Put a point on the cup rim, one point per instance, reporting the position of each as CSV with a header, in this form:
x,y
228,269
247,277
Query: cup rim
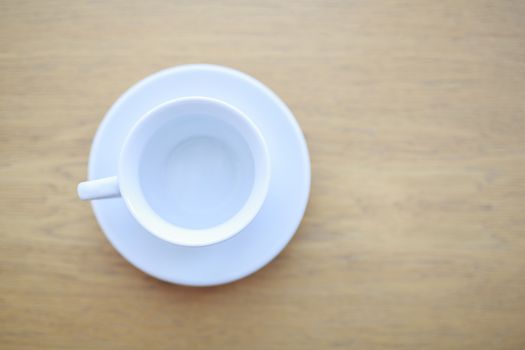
x,y
172,233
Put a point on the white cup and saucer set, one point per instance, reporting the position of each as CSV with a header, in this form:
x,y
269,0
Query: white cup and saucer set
x,y
199,175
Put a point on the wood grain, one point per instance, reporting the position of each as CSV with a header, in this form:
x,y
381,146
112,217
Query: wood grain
x,y
414,113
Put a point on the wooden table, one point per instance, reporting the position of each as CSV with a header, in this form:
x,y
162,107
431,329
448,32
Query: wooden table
x,y
414,112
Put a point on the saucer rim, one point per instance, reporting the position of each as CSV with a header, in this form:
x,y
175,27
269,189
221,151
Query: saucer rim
x,y
299,137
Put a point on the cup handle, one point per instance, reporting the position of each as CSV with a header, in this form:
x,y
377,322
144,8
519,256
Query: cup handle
x,y
99,189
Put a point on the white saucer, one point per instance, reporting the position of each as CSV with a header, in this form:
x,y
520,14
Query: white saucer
x,y
280,215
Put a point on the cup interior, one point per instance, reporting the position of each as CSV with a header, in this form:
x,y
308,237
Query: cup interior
x,y
194,171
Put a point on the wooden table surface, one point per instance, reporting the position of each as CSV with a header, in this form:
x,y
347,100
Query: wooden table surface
x,y
414,113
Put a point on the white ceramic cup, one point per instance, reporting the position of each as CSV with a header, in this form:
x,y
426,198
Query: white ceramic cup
x,y
193,171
